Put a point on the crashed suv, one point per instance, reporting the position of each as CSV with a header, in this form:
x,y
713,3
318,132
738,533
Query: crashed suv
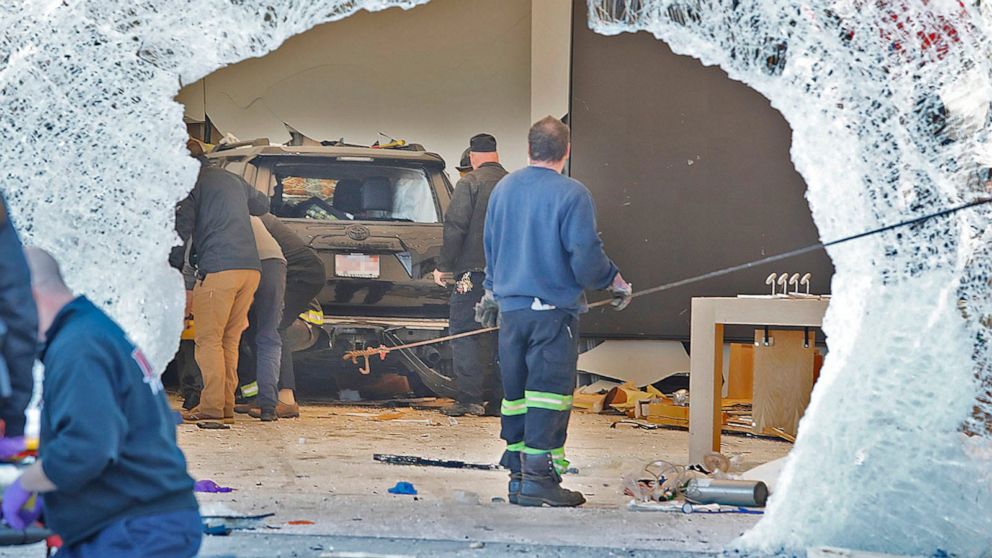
x,y
374,217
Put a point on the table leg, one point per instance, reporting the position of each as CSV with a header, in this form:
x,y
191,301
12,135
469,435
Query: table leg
x,y
705,381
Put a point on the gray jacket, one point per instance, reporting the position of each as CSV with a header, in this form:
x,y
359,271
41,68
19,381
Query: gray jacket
x,y
465,220
215,216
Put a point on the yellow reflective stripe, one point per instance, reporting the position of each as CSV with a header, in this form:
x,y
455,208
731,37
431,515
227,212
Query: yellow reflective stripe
x,y
249,390
313,317
555,453
519,446
515,407
549,401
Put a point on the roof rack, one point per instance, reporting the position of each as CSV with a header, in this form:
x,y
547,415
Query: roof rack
x,y
257,142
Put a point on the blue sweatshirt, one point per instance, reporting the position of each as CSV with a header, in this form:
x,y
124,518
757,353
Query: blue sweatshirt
x,y
541,242
108,437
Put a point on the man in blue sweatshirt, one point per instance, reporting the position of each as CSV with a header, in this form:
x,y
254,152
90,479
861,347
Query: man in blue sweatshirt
x,y
111,477
542,252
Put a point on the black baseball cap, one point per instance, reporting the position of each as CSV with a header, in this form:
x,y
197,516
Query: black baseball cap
x,y
465,164
482,143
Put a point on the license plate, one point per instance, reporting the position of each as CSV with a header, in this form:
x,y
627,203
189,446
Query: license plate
x,y
356,265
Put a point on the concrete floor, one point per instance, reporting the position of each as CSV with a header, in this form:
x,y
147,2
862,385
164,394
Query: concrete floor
x,y
319,469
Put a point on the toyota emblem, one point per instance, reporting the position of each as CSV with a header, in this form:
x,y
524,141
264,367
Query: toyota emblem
x,y
357,232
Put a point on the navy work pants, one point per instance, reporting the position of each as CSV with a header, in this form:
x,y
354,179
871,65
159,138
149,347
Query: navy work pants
x,y
538,353
474,358
166,535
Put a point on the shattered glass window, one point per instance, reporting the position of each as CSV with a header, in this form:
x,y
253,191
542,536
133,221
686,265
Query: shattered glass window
x,y
94,156
890,104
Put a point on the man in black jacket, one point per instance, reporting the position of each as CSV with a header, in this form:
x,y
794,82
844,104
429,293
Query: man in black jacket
x,y
214,218
476,372
18,330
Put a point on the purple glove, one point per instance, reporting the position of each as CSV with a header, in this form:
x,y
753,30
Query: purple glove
x,y
14,511
207,485
10,447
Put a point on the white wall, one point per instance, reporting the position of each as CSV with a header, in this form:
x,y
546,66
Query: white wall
x,y
436,75
551,49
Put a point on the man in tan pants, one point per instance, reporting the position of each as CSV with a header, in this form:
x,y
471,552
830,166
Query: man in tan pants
x,y
215,218
220,307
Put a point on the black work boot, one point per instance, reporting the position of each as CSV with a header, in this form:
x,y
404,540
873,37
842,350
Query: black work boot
x,y
542,484
511,460
268,414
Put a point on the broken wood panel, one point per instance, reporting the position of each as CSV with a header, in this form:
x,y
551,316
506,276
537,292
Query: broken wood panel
x,y
740,378
783,379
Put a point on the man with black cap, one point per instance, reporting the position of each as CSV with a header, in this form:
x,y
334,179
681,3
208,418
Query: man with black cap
x,y
465,164
476,373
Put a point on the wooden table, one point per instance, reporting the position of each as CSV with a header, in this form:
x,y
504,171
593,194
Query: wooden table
x,y
709,315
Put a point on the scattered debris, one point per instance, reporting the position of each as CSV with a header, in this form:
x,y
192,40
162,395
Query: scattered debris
x,y
686,507
218,530
218,519
625,397
212,425
425,462
637,424
403,488
741,493
211,487
593,397
664,486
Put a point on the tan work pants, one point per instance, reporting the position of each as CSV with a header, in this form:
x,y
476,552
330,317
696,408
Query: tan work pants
x,y
220,310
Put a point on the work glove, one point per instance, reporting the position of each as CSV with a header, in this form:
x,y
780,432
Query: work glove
x,y
622,292
487,311
12,447
21,508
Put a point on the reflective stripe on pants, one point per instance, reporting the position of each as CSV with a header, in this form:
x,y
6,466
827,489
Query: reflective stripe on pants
x,y
538,354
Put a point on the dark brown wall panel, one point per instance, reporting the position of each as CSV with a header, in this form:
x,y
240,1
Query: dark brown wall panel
x,y
640,114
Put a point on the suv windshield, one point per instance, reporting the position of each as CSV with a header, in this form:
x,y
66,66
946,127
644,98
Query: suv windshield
x,y
353,191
